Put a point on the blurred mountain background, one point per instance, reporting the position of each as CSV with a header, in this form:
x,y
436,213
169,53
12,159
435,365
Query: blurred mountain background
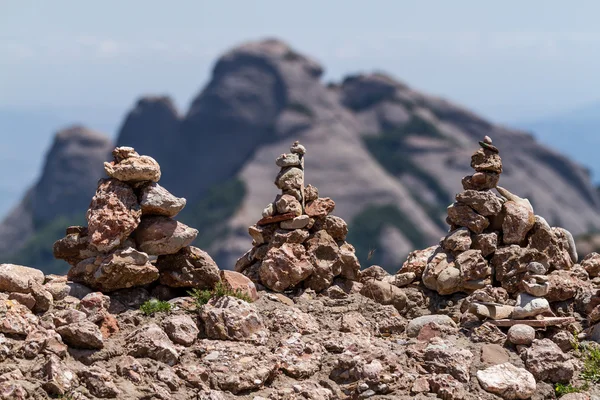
x,y
222,107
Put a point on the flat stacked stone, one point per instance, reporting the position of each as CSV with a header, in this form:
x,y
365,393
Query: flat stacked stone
x,y
132,239
297,243
497,242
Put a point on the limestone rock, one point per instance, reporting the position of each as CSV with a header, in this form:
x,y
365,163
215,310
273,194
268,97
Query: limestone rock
x,y
290,178
123,268
518,221
229,318
152,342
181,329
238,282
113,215
320,207
190,267
530,306
156,200
507,381
288,160
158,235
485,203
132,167
521,334
285,267
546,361
17,278
457,240
463,215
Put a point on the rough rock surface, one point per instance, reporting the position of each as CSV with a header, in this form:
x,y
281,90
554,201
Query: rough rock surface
x,y
190,267
507,381
158,235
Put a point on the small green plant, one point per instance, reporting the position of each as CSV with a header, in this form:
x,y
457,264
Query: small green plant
x,y
562,389
591,364
202,297
153,306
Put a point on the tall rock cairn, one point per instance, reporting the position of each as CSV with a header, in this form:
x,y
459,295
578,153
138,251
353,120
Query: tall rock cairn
x,y
496,244
297,243
131,238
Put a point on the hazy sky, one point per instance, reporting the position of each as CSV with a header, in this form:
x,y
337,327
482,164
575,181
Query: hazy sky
x,y
509,60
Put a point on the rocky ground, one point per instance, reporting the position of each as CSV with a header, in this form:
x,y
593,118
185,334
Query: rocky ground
x,y
501,308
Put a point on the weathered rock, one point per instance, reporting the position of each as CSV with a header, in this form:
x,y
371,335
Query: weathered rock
x,y
74,247
17,319
181,329
417,261
288,160
485,242
488,333
99,382
152,342
58,379
491,311
530,306
457,240
158,235
113,215
510,265
472,265
299,222
481,181
190,267
17,278
282,236
443,357
484,160
536,285
320,207
591,263
446,387
24,298
562,285
521,334
507,381
493,354
239,283
288,204
310,193
290,178
43,298
133,168
374,272
324,254
300,358
463,215
404,279
285,267
518,221
335,227
261,234
384,293
415,326
229,318
348,262
486,203
83,335
123,268
156,200
546,361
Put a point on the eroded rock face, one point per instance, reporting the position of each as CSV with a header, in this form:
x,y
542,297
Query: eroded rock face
x,y
113,215
156,200
190,267
158,235
507,381
285,266
121,269
229,318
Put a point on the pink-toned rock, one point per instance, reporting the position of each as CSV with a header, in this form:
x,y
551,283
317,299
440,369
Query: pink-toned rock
x,y
518,221
181,329
158,235
129,166
230,318
591,263
156,200
310,193
238,282
563,285
457,240
507,381
320,207
285,267
472,265
485,242
24,298
384,293
484,160
123,268
547,362
417,261
17,278
113,215
335,226
485,203
463,215
349,266
74,247
190,267
324,255
288,204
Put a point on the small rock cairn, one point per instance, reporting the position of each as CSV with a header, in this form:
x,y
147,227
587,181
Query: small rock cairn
x,y
497,248
297,243
132,239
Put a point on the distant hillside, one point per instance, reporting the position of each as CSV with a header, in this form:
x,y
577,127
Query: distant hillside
x,y
392,158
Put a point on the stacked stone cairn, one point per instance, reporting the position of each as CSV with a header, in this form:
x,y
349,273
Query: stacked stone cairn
x,y
511,261
297,243
132,239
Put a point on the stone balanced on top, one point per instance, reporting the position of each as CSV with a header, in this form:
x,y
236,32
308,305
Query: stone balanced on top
x,y
496,248
297,243
129,220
